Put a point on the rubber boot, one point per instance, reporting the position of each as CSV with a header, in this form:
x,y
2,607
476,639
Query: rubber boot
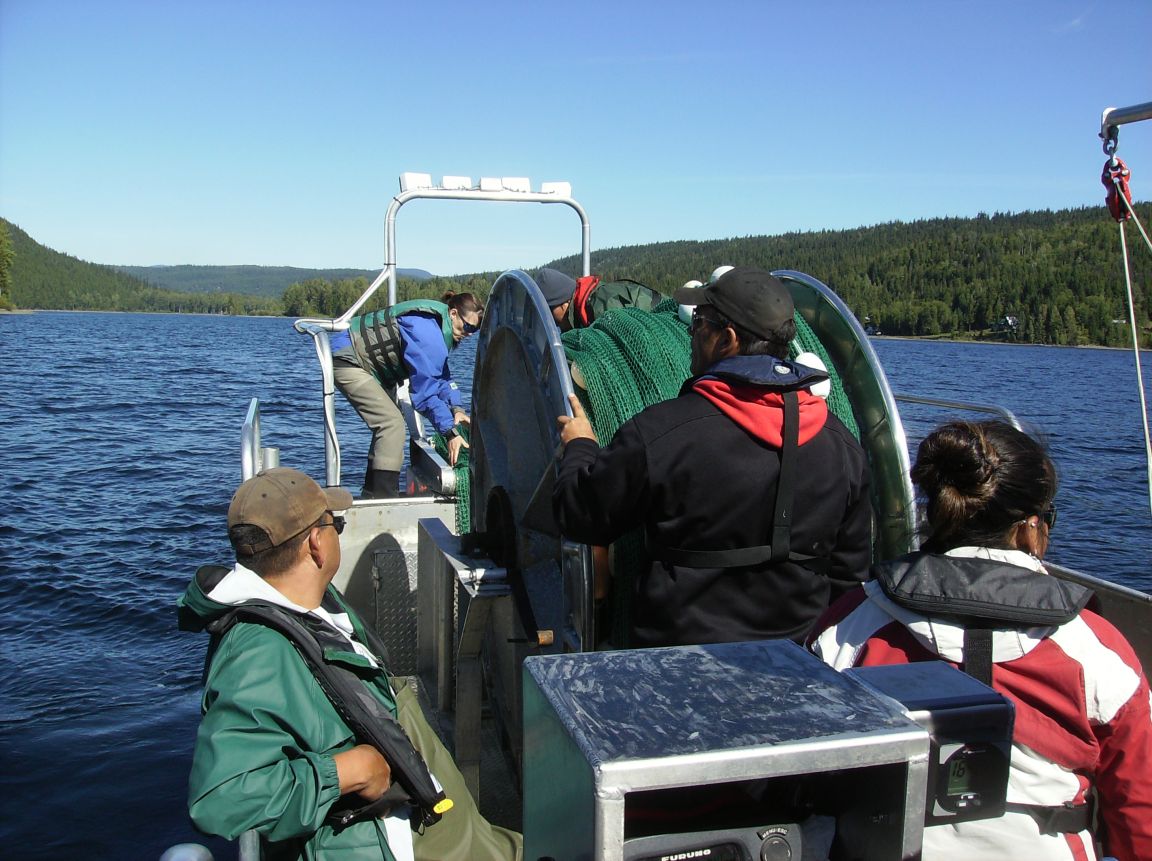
x,y
380,484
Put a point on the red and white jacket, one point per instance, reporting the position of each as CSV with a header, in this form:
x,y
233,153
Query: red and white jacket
x,y
1082,716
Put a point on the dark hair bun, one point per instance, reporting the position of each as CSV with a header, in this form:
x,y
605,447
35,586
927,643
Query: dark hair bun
x,y
979,479
957,457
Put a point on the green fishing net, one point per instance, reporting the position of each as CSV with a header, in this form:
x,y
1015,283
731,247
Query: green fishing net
x,y
463,477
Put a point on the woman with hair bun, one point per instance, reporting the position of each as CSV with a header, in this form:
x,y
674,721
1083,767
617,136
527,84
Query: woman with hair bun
x,y
977,596
408,341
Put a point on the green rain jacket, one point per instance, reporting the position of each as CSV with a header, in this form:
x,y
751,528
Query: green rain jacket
x,y
263,756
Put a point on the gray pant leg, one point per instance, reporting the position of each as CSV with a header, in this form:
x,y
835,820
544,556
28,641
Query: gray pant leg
x,y
377,407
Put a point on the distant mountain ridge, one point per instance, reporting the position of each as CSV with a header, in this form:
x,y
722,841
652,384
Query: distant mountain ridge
x,y
249,280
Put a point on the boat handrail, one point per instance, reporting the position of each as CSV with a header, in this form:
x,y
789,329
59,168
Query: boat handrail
x,y
253,457
992,409
319,334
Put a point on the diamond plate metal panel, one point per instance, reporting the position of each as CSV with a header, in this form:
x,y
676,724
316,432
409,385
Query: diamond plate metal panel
x,y
394,574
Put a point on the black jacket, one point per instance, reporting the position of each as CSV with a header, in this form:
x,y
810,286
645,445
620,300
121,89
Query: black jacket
x,y
695,480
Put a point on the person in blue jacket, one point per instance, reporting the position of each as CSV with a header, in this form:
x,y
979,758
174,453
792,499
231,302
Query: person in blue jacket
x,y
408,341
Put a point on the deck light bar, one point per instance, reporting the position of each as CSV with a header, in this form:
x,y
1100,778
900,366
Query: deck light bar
x,y
412,181
560,189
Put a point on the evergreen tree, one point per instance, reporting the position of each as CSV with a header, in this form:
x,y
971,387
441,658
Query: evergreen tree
x,y
6,255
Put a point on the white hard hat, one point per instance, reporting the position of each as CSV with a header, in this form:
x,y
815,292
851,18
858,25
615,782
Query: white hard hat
x,y
685,311
811,360
187,852
717,272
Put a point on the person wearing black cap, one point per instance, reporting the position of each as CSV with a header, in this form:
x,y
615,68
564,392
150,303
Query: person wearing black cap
x,y
274,750
752,495
577,303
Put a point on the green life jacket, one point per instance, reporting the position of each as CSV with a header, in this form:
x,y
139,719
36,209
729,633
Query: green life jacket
x,y
595,298
376,337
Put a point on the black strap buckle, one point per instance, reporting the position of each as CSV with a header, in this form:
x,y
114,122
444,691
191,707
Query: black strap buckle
x,y
1065,819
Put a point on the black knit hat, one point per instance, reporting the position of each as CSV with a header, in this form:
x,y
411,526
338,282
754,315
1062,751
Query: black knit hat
x,y
556,287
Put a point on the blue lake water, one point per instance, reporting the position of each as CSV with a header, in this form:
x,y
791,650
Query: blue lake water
x,y
120,439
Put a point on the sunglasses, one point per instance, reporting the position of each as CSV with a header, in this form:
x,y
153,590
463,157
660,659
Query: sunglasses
x,y
698,318
471,328
1049,515
337,524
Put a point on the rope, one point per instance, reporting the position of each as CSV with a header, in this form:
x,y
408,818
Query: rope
x,y
1122,197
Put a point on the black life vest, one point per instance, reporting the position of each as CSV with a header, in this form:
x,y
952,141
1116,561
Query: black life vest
x,y
780,550
982,596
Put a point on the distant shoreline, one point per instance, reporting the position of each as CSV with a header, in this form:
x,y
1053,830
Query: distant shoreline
x,y
924,338
943,340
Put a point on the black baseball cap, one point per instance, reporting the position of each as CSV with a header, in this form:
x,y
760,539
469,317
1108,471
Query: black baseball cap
x,y
752,298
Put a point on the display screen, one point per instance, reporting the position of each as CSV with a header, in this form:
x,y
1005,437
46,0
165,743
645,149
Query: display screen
x,y
959,775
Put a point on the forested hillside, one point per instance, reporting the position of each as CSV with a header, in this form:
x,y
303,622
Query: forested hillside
x,y
1041,277
319,297
1060,274
249,280
42,278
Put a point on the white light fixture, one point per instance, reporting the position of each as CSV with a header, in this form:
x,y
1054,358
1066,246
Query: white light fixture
x,y
517,183
491,183
560,189
412,181
455,183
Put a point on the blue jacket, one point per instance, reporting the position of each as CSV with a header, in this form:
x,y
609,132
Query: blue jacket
x,y
434,395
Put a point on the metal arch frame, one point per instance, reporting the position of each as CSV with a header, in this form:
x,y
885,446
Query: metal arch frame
x,y
873,404
318,328
504,196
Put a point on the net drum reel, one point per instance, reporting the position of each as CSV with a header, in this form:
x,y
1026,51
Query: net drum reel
x,y
521,383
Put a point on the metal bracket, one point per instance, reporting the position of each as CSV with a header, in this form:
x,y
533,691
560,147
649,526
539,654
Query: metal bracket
x,y
431,469
448,579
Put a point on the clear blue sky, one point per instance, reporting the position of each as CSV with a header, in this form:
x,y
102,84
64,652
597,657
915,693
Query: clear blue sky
x,y
208,132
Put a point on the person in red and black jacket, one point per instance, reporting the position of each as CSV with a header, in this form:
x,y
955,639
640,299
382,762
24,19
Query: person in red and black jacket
x,y
753,497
